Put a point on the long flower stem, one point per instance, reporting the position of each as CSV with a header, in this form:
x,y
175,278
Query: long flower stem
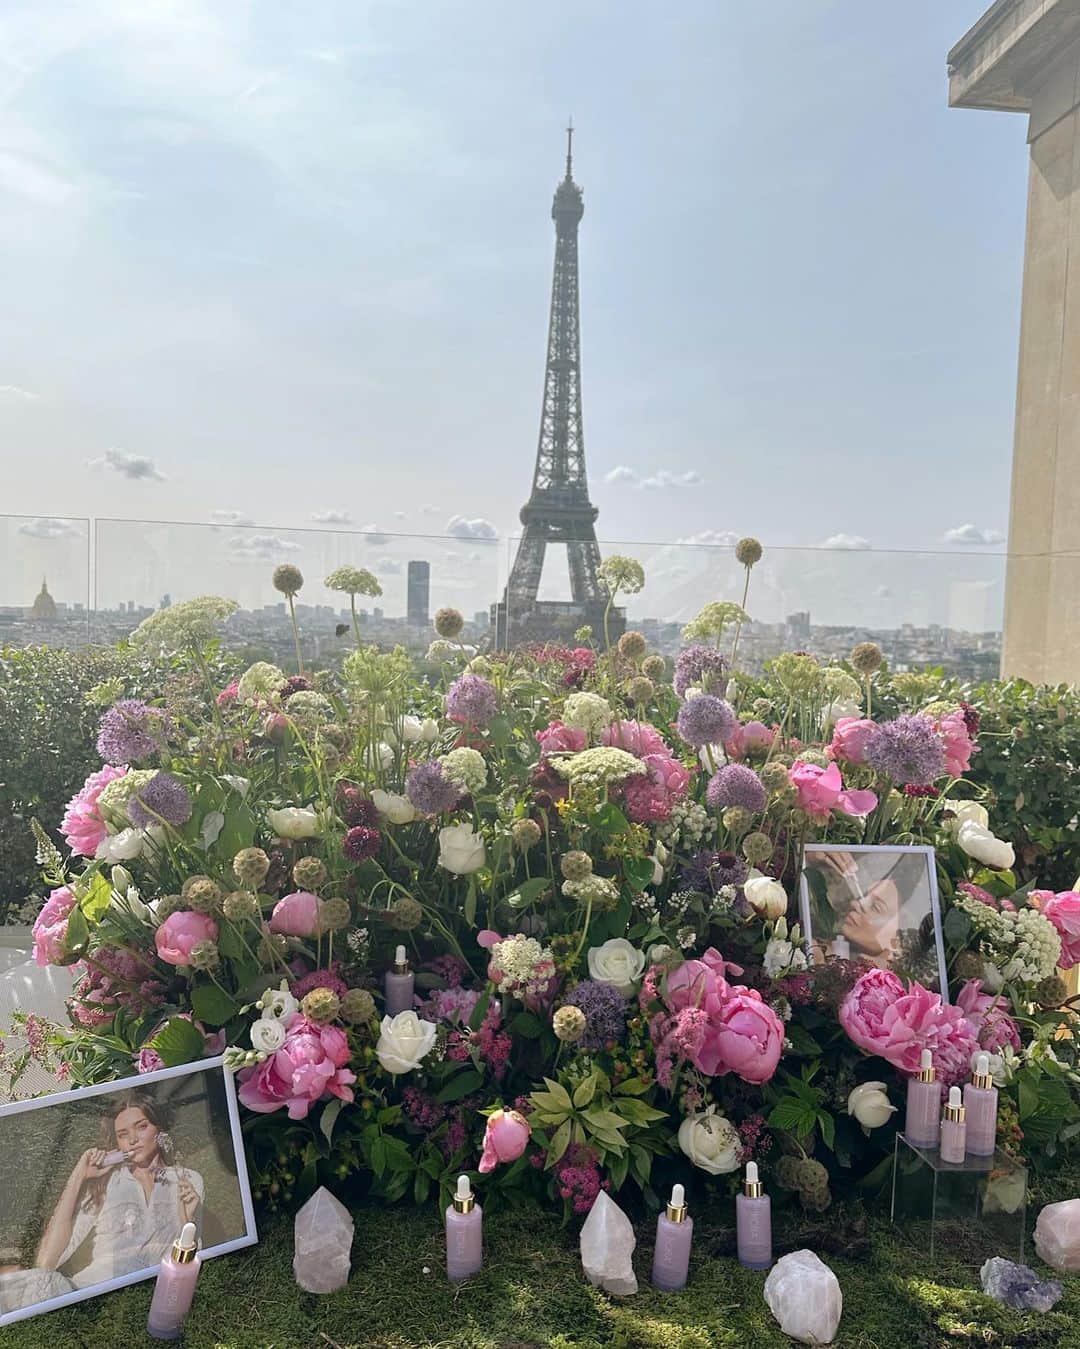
x,y
296,637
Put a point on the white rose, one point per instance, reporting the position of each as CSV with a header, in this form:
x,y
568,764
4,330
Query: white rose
x,y
840,707
870,1105
710,1141
617,963
294,822
978,842
766,897
461,849
659,952
397,809
377,756
278,1004
121,847
993,981
965,811
403,1041
267,1035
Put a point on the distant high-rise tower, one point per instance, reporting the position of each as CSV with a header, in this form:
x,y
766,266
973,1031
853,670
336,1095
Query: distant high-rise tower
x,y
559,509
419,593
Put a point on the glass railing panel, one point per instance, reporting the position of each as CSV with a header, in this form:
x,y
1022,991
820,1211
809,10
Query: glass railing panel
x,y
45,592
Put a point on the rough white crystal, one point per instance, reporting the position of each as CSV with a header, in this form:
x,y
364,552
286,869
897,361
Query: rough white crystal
x,y
1057,1235
804,1295
323,1235
607,1244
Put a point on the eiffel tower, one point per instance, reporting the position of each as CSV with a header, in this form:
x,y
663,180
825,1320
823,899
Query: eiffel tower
x,y
559,509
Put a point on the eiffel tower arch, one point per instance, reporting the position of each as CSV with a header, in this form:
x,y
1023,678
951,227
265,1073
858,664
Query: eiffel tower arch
x,y
558,509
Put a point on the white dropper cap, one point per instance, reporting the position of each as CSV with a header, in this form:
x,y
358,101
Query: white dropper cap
x,y
955,1098
678,1196
185,1247
751,1172
752,1186
926,1059
187,1240
464,1188
399,956
982,1065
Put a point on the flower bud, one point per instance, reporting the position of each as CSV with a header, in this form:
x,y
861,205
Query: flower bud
x,y
869,1103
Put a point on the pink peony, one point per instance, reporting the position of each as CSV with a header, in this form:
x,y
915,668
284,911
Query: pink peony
x,y
648,798
747,1040
883,1018
82,826
636,737
505,1139
182,931
149,1060
296,915
821,791
850,735
992,1025
559,739
308,1067
50,927
700,983
1063,910
959,746
753,736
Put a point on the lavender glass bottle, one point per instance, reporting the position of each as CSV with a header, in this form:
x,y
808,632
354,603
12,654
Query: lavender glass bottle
x,y
980,1105
674,1233
921,1123
398,985
464,1234
753,1222
953,1129
175,1287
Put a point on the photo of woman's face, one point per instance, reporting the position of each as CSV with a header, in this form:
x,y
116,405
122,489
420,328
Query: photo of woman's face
x,y
137,1135
873,922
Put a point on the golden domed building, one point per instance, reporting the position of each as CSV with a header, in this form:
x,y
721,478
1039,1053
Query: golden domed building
x,y
43,610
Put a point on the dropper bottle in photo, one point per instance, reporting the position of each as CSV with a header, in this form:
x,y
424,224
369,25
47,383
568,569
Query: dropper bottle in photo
x,y
398,984
175,1287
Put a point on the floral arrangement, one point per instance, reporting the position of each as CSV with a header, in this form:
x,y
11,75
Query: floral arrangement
x,y
591,860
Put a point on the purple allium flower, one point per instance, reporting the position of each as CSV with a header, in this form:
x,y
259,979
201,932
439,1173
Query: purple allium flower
x,y
430,790
471,700
908,749
163,798
131,731
605,1013
709,871
736,785
702,666
706,720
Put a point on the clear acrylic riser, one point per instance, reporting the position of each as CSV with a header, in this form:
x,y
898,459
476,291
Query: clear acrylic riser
x,y
967,1211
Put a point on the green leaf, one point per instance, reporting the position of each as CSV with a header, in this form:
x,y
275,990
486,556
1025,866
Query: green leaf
x,y
562,1096
609,820
470,904
531,890
329,1118
957,927
178,1041
212,1004
480,1011
617,1169
633,1086
527,1025
421,1186
97,899
459,1086
638,872
585,1091
638,1112
827,1125
76,936
559,1143
230,943
600,1118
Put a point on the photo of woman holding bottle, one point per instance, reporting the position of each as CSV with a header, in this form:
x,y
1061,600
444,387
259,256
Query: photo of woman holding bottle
x,y
876,905
149,1157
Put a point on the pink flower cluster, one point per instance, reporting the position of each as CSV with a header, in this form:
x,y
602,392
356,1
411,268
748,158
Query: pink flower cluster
x,y
882,1017
1063,910
556,738
821,791
959,746
50,927
717,1026
82,826
308,1067
994,1028
749,738
492,1044
577,1177
648,797
117,979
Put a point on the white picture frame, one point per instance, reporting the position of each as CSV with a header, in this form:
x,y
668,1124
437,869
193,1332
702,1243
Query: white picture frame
x,y
214,1069
880,861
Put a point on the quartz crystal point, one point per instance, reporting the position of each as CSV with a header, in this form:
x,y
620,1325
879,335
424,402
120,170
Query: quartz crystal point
x,y
1018,1286
1057,1235
323,1243
804,1295
607,1244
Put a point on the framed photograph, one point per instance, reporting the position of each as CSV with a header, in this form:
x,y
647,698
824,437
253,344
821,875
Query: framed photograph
x,y
877,904
96,1184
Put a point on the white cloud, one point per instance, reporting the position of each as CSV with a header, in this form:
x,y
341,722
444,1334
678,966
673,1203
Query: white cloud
x,y
718,538
664,478
428,509
479,528
231,518
387,566
14,391
332,517
852,543
400,515
46,527
265,547
621,474
375,536
973,536
135,466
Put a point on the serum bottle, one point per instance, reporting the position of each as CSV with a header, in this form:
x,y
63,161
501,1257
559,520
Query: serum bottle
x,y
980,1104
953,1129
175,1287
115,1157
923,1105
753,1222
674,1233
398,984
464,1234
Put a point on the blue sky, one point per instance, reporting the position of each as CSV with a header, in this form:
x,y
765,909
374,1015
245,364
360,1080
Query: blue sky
x,y
292,262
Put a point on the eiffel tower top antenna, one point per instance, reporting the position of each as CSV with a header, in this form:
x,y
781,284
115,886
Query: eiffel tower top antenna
x,y
569,149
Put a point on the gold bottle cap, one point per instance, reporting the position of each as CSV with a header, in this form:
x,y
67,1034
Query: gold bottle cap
x,y
982,1078
752,1186
676,1209
464,1199
927,1071
401,964
954,1111
186,1246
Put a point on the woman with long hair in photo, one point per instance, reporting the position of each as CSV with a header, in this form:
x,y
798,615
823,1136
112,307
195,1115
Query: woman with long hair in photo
x,y
124,1201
